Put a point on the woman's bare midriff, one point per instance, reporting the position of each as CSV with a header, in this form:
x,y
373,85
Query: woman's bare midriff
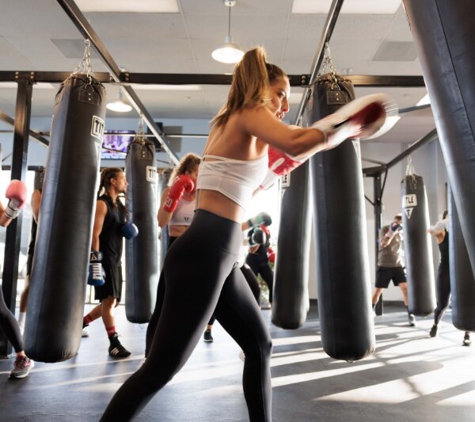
x,y
219,204
176,230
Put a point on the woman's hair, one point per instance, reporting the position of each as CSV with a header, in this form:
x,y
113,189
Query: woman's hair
x,y
445,214
105,184
187,164
251,83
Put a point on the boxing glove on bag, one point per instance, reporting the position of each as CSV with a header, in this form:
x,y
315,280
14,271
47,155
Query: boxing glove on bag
x,y
443,34
417,247
61,259
339,221
462,281
291,300
141,251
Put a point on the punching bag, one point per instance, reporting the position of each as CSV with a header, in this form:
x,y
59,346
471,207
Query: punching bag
x,y
343,278
417,246
291,301
462,281
443,33
141,252
60,263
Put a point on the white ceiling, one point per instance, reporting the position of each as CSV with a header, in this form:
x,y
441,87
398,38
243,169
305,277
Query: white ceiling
x,y
39,36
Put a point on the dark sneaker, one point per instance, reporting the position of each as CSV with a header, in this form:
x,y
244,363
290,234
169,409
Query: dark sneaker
x,y
433,331
412,320
466,340
21,367
116,350
207,337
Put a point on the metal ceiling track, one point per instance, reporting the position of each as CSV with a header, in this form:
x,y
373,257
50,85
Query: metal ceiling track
x,y
126,78
88,32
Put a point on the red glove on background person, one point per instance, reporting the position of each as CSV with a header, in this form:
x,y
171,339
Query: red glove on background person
x,y
16,193
182,184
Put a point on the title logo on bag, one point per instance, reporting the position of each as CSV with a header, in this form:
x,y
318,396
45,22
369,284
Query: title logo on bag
x,y
97,128
151,174
409,202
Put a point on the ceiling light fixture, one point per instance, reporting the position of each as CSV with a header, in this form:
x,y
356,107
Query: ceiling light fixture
x,y
229,52
119,105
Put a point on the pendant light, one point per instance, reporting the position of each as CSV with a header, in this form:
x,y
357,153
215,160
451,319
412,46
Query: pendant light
x,y
119,105
229,52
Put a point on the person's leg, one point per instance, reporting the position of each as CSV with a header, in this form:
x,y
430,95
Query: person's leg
x,y
383,277
10,327
240,316
410,317
24,302
268,276
253,282
207,335
443,296
191,294
152,324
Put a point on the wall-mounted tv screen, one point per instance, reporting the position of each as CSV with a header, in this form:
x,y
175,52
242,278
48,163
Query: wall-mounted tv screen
x,y
115,143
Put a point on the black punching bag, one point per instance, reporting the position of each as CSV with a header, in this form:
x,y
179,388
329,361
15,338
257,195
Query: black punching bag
x,y
417,246
343,278
462,281
291,301
60,263
443,33
141,252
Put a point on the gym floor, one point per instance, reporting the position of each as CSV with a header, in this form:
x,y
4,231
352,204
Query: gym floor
x,y
410,377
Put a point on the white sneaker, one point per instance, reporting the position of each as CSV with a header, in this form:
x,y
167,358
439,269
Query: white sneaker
x,y
85,332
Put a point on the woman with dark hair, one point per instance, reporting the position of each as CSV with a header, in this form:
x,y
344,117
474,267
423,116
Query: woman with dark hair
x,y
441,234
105,268
201,271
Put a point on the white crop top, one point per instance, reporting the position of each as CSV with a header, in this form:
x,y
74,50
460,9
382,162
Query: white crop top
x,y
183,213
236,179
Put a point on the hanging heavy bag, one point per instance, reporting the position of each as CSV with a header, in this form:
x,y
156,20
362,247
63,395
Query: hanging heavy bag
x,y
443,33
462,281
291,300
141,252
417,246
342,262
58,282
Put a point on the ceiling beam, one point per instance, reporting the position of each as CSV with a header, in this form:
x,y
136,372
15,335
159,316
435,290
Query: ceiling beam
x,y
126,78
85,28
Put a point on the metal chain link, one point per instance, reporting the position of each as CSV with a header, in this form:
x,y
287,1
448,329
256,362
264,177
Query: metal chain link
x,y
85,65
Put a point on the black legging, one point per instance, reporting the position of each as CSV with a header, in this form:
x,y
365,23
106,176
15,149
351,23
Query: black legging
x,y
259,264
210,281
442,292
9,325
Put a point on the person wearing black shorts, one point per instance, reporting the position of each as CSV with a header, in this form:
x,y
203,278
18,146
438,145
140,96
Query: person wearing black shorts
x,y
107,242
390,263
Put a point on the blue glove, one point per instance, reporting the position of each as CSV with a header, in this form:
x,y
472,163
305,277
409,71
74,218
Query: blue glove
x,y
394,227
129,230
96,272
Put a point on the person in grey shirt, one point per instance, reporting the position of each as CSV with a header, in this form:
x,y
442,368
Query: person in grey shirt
x,y
390,263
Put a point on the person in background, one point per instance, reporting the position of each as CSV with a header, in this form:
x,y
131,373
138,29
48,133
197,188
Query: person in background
x,y
105,268
177,207
233,166
35,210
390,263
258,256
16,194
440,231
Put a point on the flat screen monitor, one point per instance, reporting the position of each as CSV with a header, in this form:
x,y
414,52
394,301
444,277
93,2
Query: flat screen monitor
x,y
115,143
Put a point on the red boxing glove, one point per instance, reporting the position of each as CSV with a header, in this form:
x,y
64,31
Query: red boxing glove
x,y
16,193
280,164
182,184
271,255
